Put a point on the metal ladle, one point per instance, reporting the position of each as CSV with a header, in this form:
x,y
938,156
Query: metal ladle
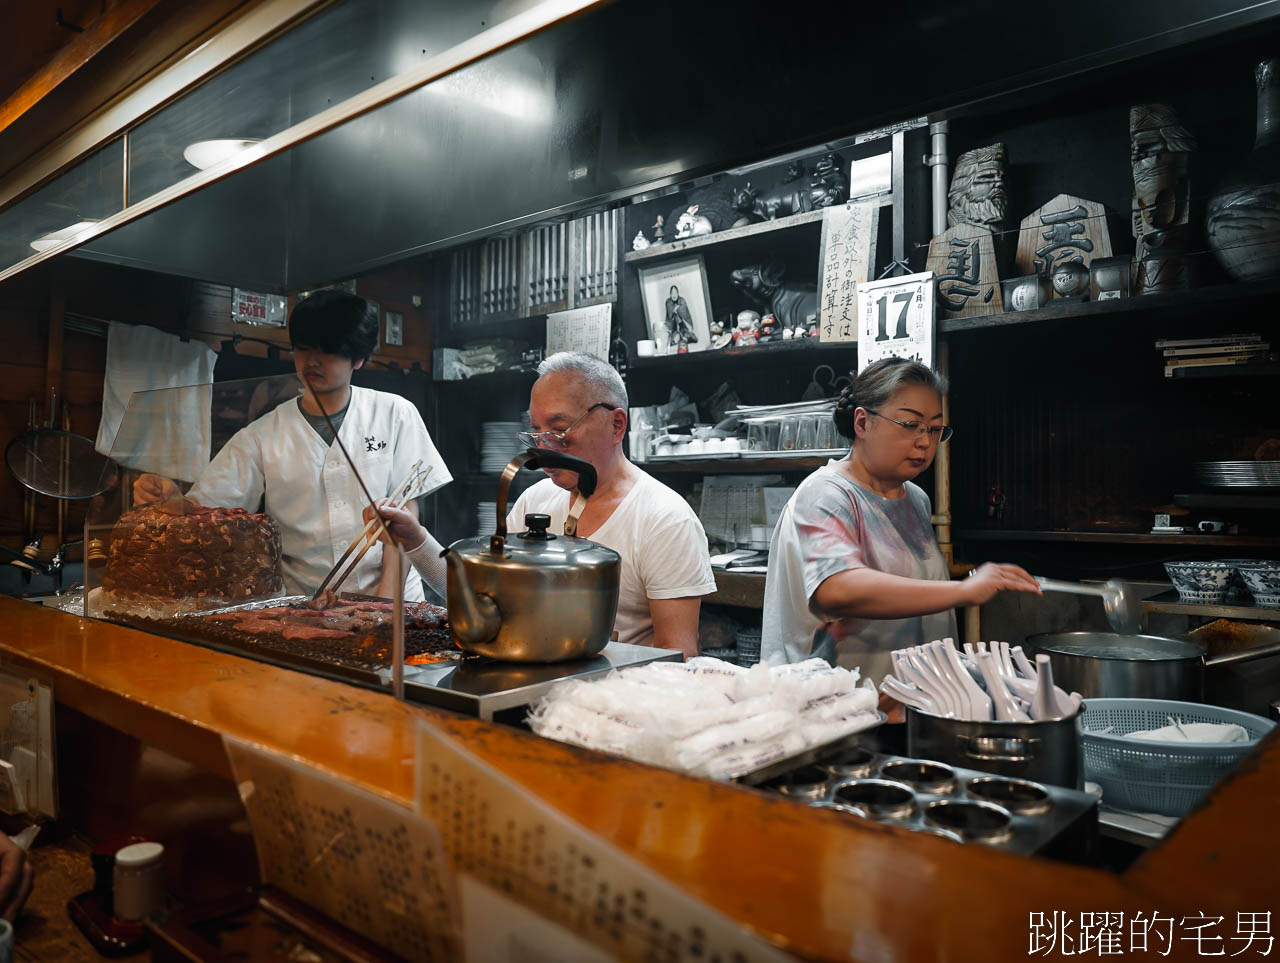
x,y
1119,600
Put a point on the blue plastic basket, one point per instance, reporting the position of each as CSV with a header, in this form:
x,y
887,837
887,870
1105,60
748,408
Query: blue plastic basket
x,y
1159,777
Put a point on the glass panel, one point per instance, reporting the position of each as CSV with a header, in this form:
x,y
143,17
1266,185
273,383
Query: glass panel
x,y
88,192
344,49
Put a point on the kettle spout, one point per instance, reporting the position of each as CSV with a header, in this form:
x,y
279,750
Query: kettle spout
x,y
475,618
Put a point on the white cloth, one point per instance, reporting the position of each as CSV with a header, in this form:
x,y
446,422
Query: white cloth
x,y
167,432
309,488
1202,732
832,525
661,541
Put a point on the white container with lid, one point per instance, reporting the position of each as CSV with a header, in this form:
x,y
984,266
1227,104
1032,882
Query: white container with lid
x,y
138,882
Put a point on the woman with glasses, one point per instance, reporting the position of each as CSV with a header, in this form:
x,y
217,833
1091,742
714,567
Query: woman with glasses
x,y
854,568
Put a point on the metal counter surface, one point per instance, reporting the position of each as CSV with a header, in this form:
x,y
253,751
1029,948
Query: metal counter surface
x,y
481,688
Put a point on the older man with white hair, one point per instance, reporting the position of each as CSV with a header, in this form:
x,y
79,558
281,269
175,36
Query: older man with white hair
x,y
578,405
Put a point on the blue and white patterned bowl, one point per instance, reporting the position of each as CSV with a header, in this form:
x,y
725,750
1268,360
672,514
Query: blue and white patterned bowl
x,y
1237,592
1263,581
1205,582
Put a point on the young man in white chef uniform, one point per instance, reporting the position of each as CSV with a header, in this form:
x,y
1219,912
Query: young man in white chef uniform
x,y
579,406
290,457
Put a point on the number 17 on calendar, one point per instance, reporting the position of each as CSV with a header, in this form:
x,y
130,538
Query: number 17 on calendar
x,y
895,319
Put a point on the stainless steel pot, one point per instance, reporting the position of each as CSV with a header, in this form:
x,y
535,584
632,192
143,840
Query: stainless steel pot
x,y
1044,751
1106,665
534,596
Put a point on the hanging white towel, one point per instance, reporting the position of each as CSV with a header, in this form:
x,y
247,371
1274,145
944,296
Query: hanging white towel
x,y
156,401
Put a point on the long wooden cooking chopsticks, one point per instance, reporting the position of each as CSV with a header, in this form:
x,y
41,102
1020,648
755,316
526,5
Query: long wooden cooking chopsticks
x,y
402,494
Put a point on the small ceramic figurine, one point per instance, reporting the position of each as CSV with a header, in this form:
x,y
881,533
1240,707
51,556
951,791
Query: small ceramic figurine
x,y
768,328
719,336
657,230
746,332
692,224
788,333
640,243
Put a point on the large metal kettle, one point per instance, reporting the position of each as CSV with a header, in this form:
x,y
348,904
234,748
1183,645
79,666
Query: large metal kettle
x,y
534,596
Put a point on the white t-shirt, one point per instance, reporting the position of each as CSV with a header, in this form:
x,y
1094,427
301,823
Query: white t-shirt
x,y
309,488
831,525
661,542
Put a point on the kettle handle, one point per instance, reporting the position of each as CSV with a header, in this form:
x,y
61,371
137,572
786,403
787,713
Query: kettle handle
x,y
535,458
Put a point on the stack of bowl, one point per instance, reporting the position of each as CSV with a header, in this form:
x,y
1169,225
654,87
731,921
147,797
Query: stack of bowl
x,y
1227,581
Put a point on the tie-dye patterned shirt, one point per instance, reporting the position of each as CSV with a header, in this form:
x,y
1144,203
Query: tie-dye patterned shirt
x,y
832,525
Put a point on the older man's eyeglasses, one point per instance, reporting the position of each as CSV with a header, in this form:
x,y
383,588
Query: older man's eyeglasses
x,y
556,439
937,433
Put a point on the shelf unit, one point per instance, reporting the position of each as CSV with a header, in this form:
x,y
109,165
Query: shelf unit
x,y
668,248
1118,538
748,466
1177,304
1169,603
740,589
1223,500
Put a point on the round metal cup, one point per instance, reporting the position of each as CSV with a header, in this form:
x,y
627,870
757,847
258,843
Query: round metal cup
x,y
807,782
942,833
920,774
970,819
880,798
853,763
1016,795
842,808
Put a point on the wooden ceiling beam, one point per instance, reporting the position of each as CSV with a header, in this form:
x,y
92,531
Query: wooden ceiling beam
x,y
125,44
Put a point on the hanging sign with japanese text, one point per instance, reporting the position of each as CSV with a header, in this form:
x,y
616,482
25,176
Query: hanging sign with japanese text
x,y
966,282
250,307
895,319
848,256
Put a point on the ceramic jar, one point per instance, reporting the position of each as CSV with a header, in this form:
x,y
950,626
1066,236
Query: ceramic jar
x,y
1243,215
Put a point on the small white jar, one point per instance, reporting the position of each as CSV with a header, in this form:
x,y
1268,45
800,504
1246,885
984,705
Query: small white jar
x,y
137,882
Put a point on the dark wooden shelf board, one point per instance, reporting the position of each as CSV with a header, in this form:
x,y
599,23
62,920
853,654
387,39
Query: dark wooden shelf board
x,y
670,248
762,353
743,589
1147,303
1268,369
1117,538
1223,500
745,466
1168,602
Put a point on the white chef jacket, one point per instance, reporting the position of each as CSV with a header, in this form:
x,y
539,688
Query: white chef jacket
x,y
310,490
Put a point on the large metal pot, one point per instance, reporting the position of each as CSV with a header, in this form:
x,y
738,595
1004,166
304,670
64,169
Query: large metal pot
x,y
1043,751
534,596
1107,665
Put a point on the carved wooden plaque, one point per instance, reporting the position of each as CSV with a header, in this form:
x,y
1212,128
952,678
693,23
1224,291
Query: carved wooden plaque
x,y
966,281
1068,228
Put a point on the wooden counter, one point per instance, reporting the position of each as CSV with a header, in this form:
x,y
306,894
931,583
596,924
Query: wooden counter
x,y
806,880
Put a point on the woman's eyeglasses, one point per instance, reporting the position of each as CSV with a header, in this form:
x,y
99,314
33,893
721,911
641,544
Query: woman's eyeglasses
x,y
556,439
937,433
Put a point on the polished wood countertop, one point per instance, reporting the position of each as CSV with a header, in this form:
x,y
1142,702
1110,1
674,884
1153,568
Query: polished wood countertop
x,y
808,881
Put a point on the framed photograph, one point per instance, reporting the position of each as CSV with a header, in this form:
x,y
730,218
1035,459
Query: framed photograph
x,y
677,304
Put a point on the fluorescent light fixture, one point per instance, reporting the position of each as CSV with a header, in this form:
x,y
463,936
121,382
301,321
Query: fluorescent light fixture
x,y
54,238
208,153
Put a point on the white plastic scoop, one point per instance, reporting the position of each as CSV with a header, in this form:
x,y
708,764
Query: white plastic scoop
x,y
1119,600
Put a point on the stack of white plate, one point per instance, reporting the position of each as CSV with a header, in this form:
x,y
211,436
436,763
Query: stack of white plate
x,y
1238,474
486,518
498,445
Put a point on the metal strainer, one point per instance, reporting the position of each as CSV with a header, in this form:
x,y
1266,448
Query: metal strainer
x,y
59,464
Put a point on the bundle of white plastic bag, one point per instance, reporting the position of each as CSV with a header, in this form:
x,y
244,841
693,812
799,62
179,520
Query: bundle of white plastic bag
x,y
708,717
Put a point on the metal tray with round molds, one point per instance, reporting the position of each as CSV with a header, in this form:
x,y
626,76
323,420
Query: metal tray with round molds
x,y
960,805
